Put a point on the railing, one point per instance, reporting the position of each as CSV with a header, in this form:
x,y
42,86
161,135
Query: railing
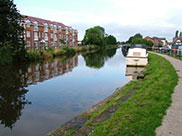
x,y
172,52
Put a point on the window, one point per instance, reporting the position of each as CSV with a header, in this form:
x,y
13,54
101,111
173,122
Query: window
x,y
60,28
51,35
55,37
35,36
28,33
46,36
36,45
27,23
35,26
55,29
45,27
39,34
51,26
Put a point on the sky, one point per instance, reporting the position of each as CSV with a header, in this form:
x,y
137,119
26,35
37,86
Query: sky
x,y
121,18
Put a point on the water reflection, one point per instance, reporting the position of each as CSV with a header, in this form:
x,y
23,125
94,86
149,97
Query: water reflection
x,y
50,69
56,96
134,73
97,59
13,79
12,94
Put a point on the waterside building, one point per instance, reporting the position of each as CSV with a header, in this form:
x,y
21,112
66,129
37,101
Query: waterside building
x,y
43,34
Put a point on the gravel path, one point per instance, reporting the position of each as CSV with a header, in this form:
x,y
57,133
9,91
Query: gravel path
x,y
172,121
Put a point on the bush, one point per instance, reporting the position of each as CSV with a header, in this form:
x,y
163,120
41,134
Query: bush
x,y
69,51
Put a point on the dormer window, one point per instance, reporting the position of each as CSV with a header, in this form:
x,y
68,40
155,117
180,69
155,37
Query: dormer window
x,y
60,28
35,26
27,23
51,26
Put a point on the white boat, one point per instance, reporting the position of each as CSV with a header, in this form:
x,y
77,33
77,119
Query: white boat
x,y
137,55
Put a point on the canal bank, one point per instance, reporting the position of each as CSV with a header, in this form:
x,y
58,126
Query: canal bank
x,y
65,51
135,109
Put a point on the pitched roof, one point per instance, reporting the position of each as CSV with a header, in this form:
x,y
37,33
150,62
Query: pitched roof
x,y
43,21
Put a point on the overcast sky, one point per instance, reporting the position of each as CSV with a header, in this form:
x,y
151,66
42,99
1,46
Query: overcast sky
x,y
121,18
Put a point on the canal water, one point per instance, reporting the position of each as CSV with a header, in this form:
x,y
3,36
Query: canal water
x,y
37,98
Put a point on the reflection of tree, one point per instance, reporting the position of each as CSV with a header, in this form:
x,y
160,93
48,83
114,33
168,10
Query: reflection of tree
x,y
97,59
12,94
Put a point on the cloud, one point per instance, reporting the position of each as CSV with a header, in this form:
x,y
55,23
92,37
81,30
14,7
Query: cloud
x,y
119,17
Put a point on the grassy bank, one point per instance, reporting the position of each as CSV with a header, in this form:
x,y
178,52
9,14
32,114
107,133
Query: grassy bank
x,y
138,108
143,112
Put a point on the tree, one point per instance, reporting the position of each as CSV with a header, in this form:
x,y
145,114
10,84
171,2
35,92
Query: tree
x,y
94,36
136,39
11,31
138,35
150,43
110,40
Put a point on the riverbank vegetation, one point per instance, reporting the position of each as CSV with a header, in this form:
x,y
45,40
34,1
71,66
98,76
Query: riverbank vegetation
x,y
139,107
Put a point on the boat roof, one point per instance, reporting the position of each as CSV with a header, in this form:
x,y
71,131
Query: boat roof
x,y
138,46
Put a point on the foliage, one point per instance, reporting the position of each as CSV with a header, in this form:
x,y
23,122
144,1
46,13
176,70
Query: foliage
x,y
138,39
97,36
94,36
69,51
11,31
149,43
110,40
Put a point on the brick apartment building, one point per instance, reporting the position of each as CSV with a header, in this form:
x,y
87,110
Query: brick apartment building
x,y
43,34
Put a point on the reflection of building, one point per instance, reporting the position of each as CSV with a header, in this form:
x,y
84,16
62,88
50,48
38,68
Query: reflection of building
x,y
41,33
134,73
42,72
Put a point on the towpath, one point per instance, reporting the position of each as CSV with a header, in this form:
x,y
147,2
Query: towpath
x,y
172,121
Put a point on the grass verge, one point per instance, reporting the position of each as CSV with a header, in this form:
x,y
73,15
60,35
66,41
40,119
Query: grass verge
x,y
143,112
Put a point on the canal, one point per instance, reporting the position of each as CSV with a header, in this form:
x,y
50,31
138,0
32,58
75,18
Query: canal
x,y
37,98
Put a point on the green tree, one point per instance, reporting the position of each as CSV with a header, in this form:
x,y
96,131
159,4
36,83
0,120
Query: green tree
x,y
110,40
94,36
11,32
136,39
150,43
